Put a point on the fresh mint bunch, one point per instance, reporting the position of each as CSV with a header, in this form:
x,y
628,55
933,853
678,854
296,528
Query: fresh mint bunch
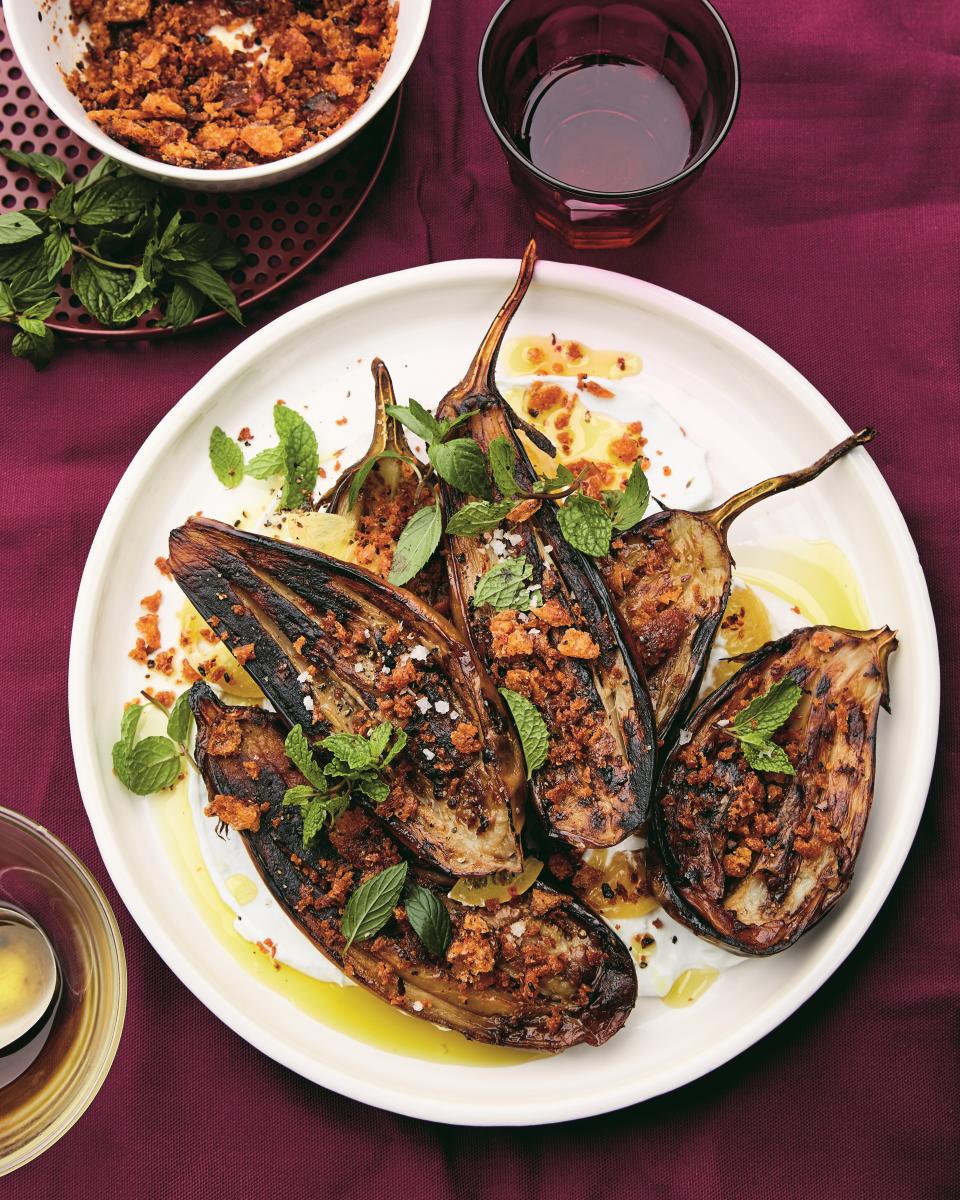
x,y
123,243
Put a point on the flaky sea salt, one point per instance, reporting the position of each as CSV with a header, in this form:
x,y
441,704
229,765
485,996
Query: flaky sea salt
x,y
303,677
518,928
419,653
423,704
684,736
442,706
428,754
308,703
454,715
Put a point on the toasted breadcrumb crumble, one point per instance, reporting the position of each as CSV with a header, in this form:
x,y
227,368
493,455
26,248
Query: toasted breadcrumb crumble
x,y
222,84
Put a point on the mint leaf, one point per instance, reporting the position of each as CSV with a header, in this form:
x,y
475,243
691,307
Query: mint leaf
x,y
586,525
351,748
765,714
429,918
503,460
61,206
43,308
632,501
534,735
767,756
320,811
299,795
114,198
461,463
301,460
298,750
184,306
478,516
17,227
373,787
7,306
379,738
416,544
153,764
180,719
371,905
203,277
129,723
33,341
42,165
505,586
416,418
563,478
267,463
101,290
226,458
56,253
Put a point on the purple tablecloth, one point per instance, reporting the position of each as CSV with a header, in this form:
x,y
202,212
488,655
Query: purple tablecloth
x,y
828,226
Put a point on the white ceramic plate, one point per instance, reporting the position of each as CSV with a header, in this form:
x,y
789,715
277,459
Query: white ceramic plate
x,y
756,415
48,44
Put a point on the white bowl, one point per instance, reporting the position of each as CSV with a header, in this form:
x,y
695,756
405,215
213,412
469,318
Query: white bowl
x,y
46,47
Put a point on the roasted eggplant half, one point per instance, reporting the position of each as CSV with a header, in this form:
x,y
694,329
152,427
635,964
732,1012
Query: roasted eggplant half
x,y
338,650
566,655
381,491
538,971
751,858
670,582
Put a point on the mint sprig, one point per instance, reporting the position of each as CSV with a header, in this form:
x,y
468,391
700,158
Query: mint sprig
x,y
628,507
154,762
122,240
295,461
356,764
754,726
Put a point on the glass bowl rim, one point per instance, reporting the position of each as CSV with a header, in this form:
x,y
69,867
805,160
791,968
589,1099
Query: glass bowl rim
x,y
116,965
583,193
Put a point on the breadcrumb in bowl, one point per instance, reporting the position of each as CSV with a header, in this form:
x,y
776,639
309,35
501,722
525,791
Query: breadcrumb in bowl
x,y
216,95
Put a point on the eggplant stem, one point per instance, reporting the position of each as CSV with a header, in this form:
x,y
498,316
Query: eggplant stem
x,y
724,514
479,379
387,435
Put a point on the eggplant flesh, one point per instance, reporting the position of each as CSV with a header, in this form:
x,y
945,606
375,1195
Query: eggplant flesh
x,y
539,972
670,582
387,498
335,649
753,859
568,655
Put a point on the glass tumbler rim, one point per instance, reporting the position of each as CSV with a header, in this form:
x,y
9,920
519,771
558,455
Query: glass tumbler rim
x,y
595,194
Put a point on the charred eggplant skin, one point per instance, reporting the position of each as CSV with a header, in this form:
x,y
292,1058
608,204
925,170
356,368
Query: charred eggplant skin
x,y
754,860
670,582
241,757
602,796
319,629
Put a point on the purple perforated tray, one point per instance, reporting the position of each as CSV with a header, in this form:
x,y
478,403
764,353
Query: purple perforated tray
x,y
281,230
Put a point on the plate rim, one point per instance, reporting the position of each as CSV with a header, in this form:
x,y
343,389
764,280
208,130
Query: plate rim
x,y
482,1112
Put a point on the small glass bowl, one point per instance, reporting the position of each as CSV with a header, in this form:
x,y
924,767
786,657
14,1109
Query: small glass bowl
x,y
41,876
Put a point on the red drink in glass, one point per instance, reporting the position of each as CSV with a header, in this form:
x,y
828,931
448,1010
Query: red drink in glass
x,y
607,109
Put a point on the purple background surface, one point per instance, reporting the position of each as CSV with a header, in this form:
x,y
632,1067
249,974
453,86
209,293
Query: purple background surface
x,y
828,225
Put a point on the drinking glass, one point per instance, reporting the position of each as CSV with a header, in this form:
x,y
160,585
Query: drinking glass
x,y
678,51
